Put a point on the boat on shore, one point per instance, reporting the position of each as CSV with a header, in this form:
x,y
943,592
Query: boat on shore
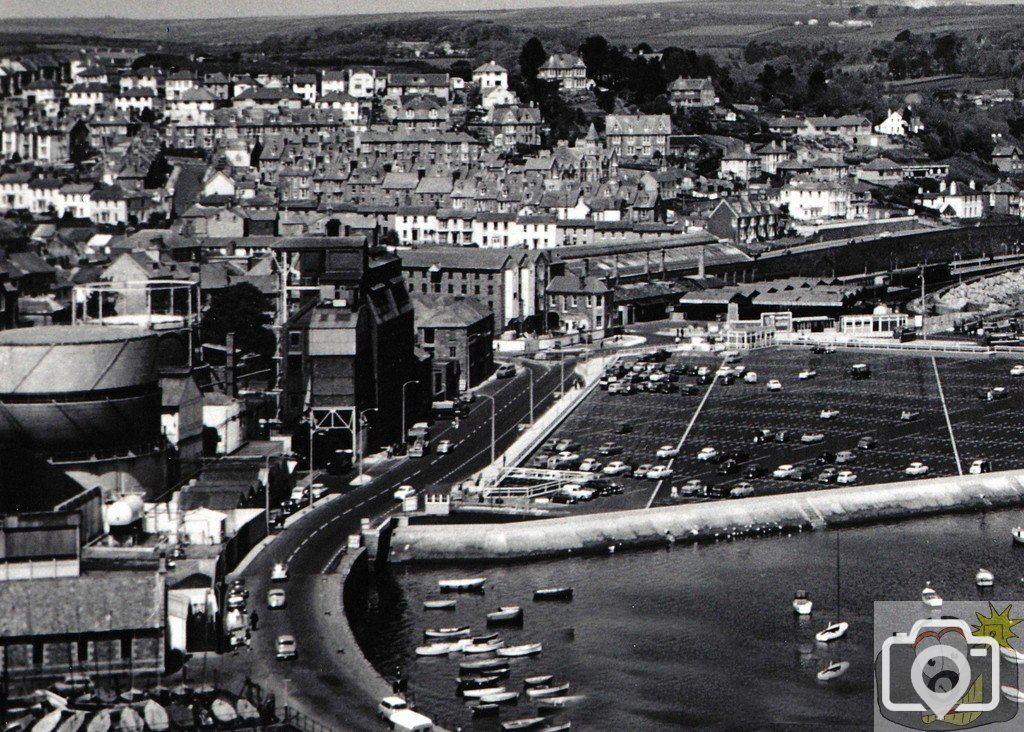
x,y
437,649
439,604
538,692
489,647
526,649
802,604
485,638
834,670
465,584
557,728
504,697
480,693
482,666
542,680
984,578
476,682
508,614
562,594
557,703
525,723
447,633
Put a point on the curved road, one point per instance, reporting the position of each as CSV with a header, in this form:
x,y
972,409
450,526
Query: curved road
x,y
313,545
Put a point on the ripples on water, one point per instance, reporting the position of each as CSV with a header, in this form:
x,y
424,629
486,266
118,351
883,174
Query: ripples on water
x,y
696,636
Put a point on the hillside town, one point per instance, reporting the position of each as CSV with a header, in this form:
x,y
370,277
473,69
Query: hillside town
x,y
235,294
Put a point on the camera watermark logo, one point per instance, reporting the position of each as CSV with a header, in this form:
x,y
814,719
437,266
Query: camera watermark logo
x,y
954,670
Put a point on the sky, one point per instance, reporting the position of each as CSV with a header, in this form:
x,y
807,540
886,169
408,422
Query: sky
x,y
181,9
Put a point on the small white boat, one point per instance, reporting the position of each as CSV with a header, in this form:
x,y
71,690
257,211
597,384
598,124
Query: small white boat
x,y
507,614
930,597
480,693
538,692
476,682
1013,694
984,578
802,604
1011,655
482,667
437,649
527,649
485,638
505,697
467,584
1018,534
563,594
489,647
542,680
563,727
555,703
833,671
526,723
834,631
447,633
439,604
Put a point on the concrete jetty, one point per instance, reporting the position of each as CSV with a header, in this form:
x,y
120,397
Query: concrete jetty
x,y
601,532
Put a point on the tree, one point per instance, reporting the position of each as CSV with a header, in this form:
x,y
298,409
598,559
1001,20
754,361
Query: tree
x,y
531,58
241,309
594,52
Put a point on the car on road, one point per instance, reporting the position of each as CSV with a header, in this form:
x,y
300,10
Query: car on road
x,y
829,413
707,454
590,465
845,456
750,377
846,477
807,374
812,438
742,490
286,647
774,385
389,705
617,467
235,601
404,492
641,471
505,372
753,471
658,472
318,491
916,468
828,475
980,466
609,448
1017,370
276,599
728,467
578,492
783,472
909,415
443,447
867,442
279,573
692,487
667,451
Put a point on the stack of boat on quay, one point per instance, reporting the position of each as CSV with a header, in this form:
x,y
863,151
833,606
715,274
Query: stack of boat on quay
x,y
484,683
76,705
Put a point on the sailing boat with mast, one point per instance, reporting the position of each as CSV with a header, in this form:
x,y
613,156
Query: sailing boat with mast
x,y
838,629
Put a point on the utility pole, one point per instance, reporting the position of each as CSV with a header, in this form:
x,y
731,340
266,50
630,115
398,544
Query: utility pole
x,y
924,308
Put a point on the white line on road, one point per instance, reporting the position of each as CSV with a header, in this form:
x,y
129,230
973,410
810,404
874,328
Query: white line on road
x,y
693,419
949,423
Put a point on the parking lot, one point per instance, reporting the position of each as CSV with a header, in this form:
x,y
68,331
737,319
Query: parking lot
x,y
727,417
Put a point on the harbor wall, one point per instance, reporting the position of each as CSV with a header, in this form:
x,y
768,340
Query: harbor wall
x,y
709,521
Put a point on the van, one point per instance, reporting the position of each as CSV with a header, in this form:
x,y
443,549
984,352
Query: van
x,y
406,720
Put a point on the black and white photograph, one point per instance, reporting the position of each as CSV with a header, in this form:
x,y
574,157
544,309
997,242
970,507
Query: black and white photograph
x,y
500,365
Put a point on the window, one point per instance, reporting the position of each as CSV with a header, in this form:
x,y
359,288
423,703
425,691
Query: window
x,y
451,352
428,335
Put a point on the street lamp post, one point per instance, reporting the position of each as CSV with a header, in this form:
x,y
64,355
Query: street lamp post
x,y
411,381
361,478
488,396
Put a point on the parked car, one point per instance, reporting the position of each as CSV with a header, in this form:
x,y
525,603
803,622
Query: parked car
x,y
590,465
980,466
235,601
783,472
389,705
774,385
689,389
821,350
802,472
692,487
753,471
829,413
807,374
742,490
276,599
279,573
728,467
286,647
641,471
318,491
623,428
992,394
916,469
505,372
759,436
846,477
617,467
609,448
828,475
735,455
658,472
706,454
845,456
867,442
750,377
566,444
443,447
909,415
824,458
812,438
403,492
1017,370
667,451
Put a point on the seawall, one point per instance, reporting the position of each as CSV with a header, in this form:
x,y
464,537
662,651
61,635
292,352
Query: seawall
x,y
707,521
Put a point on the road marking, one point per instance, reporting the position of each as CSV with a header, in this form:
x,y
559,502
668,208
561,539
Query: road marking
x,y
693,420
949,423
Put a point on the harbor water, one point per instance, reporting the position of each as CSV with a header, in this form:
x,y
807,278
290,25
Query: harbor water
x,y
693,635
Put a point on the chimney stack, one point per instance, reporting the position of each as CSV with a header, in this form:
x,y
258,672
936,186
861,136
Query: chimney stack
x,y
229,365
